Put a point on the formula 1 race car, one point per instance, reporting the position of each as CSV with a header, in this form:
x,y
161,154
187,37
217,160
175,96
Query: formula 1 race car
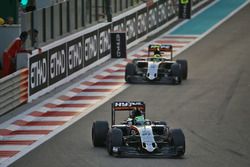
x,y
157,67
137,136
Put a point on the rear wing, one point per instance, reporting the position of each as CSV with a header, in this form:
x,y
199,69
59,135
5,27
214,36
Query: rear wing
x,y
162,48
126,106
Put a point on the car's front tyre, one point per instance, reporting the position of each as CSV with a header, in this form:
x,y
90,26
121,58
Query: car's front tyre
x,y
176,73
114,139
99,133
184,68
178,141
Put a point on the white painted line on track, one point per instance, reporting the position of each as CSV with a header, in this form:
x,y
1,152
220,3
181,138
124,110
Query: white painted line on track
x,y
112,80
12,147
32,118
223,20
118,74
105,87
22,137
15,127
73,109
81,101
3,159
70,94
56,131
94,93
193,16
57,101
42,109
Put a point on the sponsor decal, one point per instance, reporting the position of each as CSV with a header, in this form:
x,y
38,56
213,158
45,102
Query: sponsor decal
x,y
162,13
57,64
124,106
145,132
131,28
142,22
127,104
38,74
119,25
104,41
75,55
121,104
172,8
152,18
90,48
118,45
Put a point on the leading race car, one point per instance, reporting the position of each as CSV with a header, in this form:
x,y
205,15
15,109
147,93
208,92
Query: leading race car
x,y
159,67
137,136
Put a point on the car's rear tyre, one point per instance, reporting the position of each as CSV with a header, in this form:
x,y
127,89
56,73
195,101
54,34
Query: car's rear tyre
x,y
114,139
176,73
178,141
129,72
99,133
184,68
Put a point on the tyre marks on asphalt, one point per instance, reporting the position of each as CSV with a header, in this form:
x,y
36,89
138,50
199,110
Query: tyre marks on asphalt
x,y
27,129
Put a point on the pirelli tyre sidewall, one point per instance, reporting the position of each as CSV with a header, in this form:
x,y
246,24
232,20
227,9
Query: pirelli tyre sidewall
x,y
99,133
178,141
114,139
130,71
184,68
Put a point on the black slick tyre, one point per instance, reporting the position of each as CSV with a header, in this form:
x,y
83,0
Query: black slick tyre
x,y
99,133
176,73
184,68
178,141
114,139
129,72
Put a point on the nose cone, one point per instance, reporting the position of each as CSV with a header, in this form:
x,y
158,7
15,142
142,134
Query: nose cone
x,y
147,138
149,146
151,76
152,70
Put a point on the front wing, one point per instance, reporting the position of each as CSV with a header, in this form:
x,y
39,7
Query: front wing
x,y
143,79
131,152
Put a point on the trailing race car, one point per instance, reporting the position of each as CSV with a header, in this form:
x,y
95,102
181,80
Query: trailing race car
x,y
157,67
137,136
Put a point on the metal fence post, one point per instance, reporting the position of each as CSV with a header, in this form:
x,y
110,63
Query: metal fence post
x,y
44,24
52,22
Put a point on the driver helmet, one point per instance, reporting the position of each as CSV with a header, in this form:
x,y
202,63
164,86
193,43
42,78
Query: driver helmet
x,y
135,113
137,116
156,58
157,52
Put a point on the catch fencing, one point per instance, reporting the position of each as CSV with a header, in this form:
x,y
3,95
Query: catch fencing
x,y
68,17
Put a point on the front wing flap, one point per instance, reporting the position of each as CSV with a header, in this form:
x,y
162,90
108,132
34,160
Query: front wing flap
x,y
131,152
143,79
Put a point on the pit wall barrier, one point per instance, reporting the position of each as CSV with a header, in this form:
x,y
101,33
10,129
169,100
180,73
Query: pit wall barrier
x,y
66,59
13,90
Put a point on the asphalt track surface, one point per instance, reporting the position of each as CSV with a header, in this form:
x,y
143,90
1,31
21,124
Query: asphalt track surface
x,y
212,107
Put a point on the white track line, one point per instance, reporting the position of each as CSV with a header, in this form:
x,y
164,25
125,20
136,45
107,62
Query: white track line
x,y
22,137
12,147
16,127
